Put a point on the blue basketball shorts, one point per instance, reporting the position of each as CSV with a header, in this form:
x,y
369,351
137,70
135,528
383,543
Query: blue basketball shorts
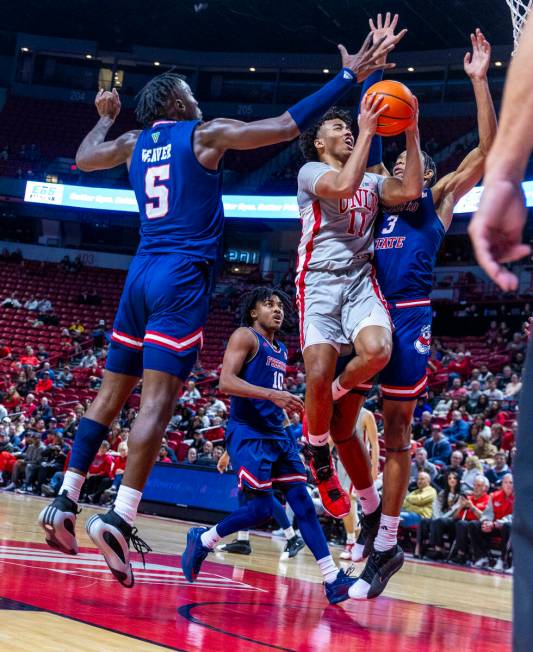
x,y
405,376
161,315
261,461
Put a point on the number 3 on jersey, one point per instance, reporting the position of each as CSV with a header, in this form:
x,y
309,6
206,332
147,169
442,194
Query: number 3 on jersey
x,y
391,223
156,191
278,380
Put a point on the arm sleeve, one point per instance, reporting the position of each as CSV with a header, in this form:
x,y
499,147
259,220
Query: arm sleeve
x,y
375,155
309,175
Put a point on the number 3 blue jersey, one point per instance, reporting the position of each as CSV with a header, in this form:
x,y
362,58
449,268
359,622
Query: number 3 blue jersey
x,y
405,249
180,201
266,369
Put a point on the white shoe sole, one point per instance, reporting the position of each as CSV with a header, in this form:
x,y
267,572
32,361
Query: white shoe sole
x,y
114,547
59,529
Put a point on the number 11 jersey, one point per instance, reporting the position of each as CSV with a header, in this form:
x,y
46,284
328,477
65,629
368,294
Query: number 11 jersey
x,y
180,201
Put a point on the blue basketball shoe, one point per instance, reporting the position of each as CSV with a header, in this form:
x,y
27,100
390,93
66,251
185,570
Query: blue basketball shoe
x,y
194,553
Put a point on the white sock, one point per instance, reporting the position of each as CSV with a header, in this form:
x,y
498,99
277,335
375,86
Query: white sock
x,y
387,534
319,440
328,568
289,533
369,498
350,538
210,538
127,502
72,484
243,535
337,390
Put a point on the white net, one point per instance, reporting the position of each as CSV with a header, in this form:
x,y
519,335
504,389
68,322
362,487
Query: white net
x,y
519,11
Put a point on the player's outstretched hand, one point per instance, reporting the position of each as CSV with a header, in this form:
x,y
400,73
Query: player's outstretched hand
x,y
107,104
372,107
385,28
496,230
477,62
287,401
370,57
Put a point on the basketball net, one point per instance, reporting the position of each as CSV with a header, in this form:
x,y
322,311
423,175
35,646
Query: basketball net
x,y
519,12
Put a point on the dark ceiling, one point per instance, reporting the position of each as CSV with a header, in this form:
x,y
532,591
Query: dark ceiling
x,y
254,25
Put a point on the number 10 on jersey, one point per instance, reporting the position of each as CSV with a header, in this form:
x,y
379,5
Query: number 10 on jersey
x,y
278,380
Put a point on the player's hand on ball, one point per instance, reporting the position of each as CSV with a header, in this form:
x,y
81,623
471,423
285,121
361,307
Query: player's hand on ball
x,y
496,230
385,28
413,126
107,104
287,401
477,62
372,107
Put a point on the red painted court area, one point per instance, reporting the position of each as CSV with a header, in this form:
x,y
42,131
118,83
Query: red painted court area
x,y
230,609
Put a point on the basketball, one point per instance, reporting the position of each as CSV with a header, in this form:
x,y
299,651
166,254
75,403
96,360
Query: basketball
x,y
402,107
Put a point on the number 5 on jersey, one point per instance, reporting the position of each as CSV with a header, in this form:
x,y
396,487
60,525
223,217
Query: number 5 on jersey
x,y
156,191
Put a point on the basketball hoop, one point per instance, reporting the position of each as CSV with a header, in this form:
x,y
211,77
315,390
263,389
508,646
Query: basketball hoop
x,y
519,12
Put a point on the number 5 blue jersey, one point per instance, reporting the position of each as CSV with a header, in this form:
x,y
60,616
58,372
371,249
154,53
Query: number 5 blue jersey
x,y
180,201
266,369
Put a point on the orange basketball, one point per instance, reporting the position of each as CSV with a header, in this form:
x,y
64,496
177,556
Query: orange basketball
x,y
402,107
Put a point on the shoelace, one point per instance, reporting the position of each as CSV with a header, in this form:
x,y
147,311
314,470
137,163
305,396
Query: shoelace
x,y
139,544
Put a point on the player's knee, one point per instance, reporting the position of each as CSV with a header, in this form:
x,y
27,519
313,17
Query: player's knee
x,y
157,410
397,431
375,352
317,380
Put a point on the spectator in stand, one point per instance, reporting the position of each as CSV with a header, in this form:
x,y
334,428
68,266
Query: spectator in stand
x,y
457,391
294,428
473,397
483,449
11,301
12,399
44,384
29,407
470,509
41,354
420,463
455,466
512,388
192,456
44,411
99,475
459,428
443,406
482,404
496,518
64,377
53,461
442,519
47,369
198,441
3,412
202,416
473,469
299,387
422,430
484,376
518,362
32,303
438,447
88,360
170,452
205,458
460,366
213,407
45,305
422,406
509,438
191,394
98,334
218,452
76,329
496,434
119,466
29,358
163,455
5,351
418,504
28,464
500,469
517,344
492,392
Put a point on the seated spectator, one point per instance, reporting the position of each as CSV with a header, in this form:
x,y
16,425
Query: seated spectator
x,y
98,333
163,455
218,452
12,399
5,351
473,469
47,369
422,429
29,407
472,397
496,518
11,301
460,366
192,456
509,438
500,469
32,303
99,476
119,466
420,463
484,376
458,430
496,434
470,509
443,406
88,360
457,391
29,358
41,354
27,464
418,504
202,416
64,376
213,407
45,305
44,411
483,448
512,388
53,461
492,392
170,452
76,328
442,519
299,384
191,394
438,447
421,406
455,466
44,384
294,428
205,458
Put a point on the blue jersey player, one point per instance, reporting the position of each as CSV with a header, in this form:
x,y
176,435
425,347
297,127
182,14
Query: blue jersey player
x,y
407,241
175,170
253,373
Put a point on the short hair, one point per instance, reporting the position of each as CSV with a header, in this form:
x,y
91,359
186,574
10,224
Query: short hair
x,y
152,100
484,479
307,139
258,295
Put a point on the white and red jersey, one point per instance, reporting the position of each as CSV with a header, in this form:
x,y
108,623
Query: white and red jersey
x,y
336,233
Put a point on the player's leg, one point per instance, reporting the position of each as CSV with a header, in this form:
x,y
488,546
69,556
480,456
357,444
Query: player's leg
x,y
289,472
356,460
123,370
241,544
349,523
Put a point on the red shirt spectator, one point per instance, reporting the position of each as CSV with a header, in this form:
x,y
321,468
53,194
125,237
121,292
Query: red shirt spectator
x,y
479,503
461,365
29,406
119,464
4,349
502,504
508,440
102,463
12,399
44,384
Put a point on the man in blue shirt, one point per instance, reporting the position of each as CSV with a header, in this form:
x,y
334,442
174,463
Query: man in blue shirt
x,y
459,430
438,447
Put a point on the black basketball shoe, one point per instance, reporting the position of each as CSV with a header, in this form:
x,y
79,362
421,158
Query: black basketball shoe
x,y
58,521
237,547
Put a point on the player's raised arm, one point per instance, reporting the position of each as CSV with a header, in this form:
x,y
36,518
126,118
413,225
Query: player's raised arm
x,y
95,153
241,347
335,185
396,191
215,137
448,190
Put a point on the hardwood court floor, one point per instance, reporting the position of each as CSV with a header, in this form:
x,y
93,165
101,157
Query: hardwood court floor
x,y
51,602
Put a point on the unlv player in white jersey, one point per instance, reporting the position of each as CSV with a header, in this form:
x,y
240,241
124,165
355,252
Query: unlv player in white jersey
x,y
338,297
